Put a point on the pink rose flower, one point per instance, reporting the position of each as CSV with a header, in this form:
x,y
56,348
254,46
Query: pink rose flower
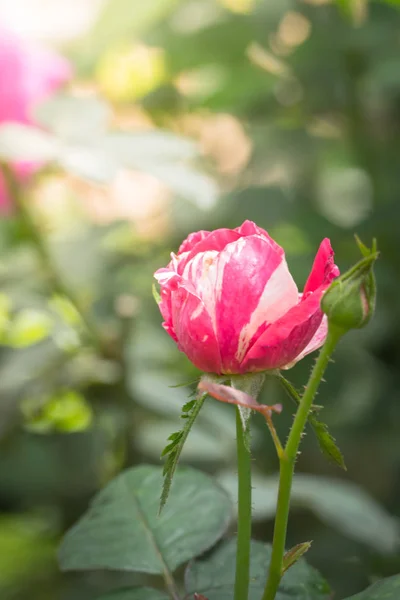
x,y
231,304
28,75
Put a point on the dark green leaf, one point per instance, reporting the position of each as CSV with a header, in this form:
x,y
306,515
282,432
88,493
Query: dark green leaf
x,y
169,448
121,530
135,594
385,589
175,436
214,576
188,406
174,449
360,517
326,441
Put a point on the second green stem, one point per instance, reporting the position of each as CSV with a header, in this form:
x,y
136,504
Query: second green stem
x,y
287,462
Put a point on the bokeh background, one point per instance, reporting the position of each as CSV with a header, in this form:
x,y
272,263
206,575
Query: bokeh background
x,y
281,111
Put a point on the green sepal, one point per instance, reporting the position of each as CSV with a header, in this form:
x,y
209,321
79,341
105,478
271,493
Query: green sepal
x,y
293,555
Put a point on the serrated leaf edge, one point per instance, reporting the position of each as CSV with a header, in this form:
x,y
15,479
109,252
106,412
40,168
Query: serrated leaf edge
x,y
331,452
174,449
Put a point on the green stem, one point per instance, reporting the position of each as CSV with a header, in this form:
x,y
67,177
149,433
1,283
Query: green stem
x,y
16,195
242,577
287,462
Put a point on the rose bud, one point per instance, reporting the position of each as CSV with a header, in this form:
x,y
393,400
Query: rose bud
x,y
349,302
232,306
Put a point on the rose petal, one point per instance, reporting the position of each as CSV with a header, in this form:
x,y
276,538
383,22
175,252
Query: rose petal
x,y
193,328
192,239
168,281
285,339
216,241
253,287
249,228
316,342
229,301
324,269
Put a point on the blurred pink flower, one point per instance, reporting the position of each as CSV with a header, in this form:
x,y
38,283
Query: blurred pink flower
x,y
28,75
231,304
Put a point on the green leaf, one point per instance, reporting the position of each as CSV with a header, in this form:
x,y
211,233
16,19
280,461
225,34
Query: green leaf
x,y
202,445
27,537
355,12
214,576
360,517
293,555
325,440
385,589
121,530
67,412
174,449
186,408
24,142
29,327
135,594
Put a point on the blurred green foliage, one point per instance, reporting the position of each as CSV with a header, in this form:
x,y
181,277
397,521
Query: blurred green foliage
x,y
293,110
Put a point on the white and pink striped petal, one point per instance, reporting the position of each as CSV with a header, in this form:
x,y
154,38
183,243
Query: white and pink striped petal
x,y
254,286
285,339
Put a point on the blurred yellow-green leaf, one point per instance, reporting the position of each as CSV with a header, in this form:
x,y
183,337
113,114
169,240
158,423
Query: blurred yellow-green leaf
x,y
26,547
29,327
66,412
